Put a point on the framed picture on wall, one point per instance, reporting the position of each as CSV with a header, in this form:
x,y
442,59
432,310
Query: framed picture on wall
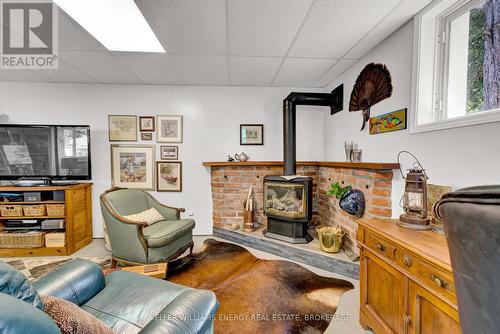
x,y
251,134
146,123
169,129
169,176
132,166
146,136
169,152
122,127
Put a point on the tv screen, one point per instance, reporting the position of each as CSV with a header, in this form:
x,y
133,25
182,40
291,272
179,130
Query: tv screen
x,y
45,151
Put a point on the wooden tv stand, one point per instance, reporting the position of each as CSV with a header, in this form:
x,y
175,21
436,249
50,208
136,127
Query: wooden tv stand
x,y
77,215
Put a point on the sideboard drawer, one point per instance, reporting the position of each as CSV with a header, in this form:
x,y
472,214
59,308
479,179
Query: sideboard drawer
x,y
380,245
440,280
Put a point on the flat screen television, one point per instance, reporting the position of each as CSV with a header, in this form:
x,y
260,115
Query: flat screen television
x,y
46,152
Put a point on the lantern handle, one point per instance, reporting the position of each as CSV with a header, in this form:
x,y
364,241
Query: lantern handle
x,y
414,157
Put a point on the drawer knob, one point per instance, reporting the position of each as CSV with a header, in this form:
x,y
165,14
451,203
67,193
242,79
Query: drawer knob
x,y
407,261
439,281
380,247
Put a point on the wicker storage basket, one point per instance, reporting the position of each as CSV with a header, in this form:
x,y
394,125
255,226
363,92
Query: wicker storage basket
x,y
11,210
55,210
34,210
22,240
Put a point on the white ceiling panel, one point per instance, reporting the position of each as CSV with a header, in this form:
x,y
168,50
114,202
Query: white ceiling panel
x,y
398,17
100,65
188,26
334,72
263,27
68,73
23,75
72,37
335,26
302,72
153,68
206,70
253,71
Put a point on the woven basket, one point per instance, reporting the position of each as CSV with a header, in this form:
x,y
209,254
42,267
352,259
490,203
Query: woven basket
x,y
22,240
55,210
34,210
11,210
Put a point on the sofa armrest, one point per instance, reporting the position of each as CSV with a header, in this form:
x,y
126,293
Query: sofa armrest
x,y
18,316
76,281
193,311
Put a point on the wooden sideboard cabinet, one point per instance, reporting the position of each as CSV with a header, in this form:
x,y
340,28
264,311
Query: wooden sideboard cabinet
x,y
406,282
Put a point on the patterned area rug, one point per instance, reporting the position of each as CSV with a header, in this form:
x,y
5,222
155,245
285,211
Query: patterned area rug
x,y
37,267
260,296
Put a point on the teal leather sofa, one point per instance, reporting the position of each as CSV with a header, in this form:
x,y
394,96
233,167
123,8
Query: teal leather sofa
x,y
137,243
124,301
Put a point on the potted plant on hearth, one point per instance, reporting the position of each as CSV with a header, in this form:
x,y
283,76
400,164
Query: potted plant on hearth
x,y
351,200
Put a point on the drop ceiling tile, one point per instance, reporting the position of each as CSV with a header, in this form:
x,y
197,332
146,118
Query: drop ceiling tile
x,y
334,72
264,28
335,26
204,70
68,73
302,72
24,75
100,65
152,68
402,14
73,37
188,26
253,71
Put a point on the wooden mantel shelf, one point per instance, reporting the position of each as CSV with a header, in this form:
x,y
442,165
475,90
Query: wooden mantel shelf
x,y
353,165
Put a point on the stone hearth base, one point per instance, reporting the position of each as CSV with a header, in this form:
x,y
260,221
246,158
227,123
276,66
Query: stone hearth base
x,y
304,253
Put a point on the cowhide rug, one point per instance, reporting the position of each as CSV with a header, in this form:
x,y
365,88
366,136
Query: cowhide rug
x,y
259,296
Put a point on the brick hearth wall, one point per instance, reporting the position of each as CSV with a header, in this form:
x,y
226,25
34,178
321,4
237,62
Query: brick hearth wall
x,y
230,188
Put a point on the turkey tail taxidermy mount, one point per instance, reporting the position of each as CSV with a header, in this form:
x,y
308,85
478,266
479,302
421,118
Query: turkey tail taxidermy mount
x,y
373,85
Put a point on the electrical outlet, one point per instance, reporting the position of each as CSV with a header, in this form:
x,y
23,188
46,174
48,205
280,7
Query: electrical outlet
x,y
190,213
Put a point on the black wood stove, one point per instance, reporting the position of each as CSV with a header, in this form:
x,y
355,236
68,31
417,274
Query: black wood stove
x,y
288,198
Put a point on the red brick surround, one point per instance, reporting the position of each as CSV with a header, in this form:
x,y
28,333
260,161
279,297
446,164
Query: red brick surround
x,y
230,187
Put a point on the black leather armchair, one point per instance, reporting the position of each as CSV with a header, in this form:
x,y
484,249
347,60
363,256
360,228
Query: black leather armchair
x,y
471,218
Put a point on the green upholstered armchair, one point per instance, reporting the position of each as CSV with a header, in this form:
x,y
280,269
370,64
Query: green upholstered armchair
x,y
136,242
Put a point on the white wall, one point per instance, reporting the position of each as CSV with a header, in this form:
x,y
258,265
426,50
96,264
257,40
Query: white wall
x,y
211,128
457,157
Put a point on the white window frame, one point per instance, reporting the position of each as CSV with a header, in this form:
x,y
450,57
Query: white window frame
x,y
441,12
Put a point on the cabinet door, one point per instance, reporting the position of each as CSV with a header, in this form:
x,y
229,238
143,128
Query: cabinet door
x,y
429,314
381,289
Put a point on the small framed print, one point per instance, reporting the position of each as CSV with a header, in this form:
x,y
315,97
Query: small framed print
x,y
146,123
122,127
146,136
132,166
169,176
251,134
169,152
169,129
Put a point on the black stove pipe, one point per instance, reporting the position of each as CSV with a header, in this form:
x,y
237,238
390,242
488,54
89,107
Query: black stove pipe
x,y
289,122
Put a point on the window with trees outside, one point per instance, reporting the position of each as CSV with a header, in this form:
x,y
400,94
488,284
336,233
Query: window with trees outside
x,y
456,65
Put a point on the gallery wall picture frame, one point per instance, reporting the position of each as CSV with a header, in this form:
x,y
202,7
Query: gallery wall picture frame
x,y
146,123
388,122
170,152
146,136
132,166
251,134
122,127
169,176
169,128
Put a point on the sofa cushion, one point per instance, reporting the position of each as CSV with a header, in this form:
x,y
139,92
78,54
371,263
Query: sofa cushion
x,y
71,319
129,301
149,216
167,231
14,283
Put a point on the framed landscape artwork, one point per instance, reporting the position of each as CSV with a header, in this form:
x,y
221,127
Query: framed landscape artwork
x,y
169,176
251,134
392,121
169,152
132,166
146,136
122,127
146,123
169,129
